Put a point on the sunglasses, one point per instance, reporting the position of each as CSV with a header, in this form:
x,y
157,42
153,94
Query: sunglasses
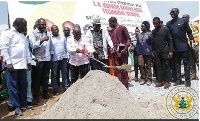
x,y
172,12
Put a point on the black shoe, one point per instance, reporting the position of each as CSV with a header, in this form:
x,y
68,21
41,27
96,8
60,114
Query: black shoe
x,y
154,74
36,100
65,89
188,84
46,96
10,108
55,92
178,82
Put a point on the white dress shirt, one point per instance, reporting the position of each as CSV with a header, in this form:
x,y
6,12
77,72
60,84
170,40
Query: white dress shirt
x,y
106,39
40,51
59,47
14,49
78,59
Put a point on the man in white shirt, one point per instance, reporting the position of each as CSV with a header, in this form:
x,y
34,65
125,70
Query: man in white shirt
x,y
16,54
99,38
42,46
29,80
79,61
59,59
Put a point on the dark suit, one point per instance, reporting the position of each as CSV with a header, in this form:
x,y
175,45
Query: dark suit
x,y
178,29
162,45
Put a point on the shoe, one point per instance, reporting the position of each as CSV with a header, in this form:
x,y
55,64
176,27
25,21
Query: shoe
x,y
160,84
135,79
32,103
27,108
36,100
127,87
55,92
173,80
154,74
178,82
188,84
18,112
64,89
148,83
192,78
10,108
167,85
46,96
142,82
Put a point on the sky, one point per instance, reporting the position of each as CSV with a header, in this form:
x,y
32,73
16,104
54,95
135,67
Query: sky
x,y
157,8
3,12
3,16
161,9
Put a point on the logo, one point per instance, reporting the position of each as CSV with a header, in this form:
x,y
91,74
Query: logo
x,y
182,102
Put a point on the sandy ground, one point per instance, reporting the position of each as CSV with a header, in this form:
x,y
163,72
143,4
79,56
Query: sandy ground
x,y
29,114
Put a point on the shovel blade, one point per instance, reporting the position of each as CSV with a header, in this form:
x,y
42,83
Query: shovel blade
x,y
122,67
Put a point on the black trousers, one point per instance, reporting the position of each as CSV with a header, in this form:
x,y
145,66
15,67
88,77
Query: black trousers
x,y
192,63
173,68
76,70
186,61
162,67
68,69
135,56
41,77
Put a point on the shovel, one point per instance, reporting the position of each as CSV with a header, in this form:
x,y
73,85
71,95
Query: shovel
x,y
122,67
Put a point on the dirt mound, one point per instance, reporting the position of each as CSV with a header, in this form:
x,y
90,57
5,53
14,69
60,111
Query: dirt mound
x,y
97,96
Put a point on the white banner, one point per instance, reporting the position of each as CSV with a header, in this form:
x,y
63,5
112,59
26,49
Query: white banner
x,y
129,13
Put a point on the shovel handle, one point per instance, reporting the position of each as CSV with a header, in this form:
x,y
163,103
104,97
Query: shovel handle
x,y
99,61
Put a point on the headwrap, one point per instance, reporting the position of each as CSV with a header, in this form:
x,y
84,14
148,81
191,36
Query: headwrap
x,y
147,25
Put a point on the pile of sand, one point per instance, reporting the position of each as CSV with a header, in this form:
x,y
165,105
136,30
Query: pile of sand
x,y
99,96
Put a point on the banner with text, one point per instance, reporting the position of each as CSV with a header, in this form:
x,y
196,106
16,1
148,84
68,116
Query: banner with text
x,y
128,13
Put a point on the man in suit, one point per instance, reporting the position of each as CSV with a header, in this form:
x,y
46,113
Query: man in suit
x,y
178,28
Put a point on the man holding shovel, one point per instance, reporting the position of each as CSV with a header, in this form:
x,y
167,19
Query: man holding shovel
x,y
121,41
99,38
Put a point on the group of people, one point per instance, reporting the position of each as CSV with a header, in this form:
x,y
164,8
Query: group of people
x,y
167,46
29,59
